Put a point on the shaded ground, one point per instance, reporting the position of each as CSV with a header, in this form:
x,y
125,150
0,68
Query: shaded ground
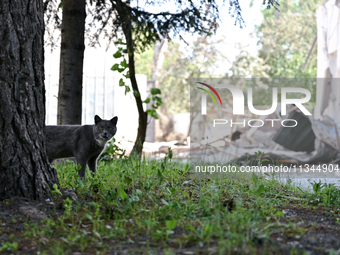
x,y
320,226
319,232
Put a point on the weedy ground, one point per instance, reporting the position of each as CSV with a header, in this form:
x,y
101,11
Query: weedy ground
x,y
136,206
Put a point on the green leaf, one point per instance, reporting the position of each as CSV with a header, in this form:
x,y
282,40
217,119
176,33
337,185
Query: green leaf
x,y
127,89
68,201
186,194
78,167
122,194
95,232
261,189
127,180
124,63
158,100
118,54
191,228
152,113
301,190
279,214
56,190
171,224
7,246
160,176
156,116
155,91
170,153
120,41
121,82
207,229
164,201
147,100
64,239
115,67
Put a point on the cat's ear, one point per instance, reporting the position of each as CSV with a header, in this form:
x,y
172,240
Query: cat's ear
x,y
114,120
97,119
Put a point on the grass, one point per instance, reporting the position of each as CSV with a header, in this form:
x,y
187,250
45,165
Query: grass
x,y
157,206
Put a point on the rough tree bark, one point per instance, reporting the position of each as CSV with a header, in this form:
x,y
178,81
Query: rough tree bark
x,y
71,62
142,121
24,167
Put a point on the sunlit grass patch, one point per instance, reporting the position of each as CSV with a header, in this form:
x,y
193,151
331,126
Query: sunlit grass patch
x,y
158,204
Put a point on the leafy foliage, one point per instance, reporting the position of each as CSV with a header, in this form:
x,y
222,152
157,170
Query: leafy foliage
x,y
112,151
123,68
143,62
327,194
235,9
193,17
286,38
148,27
178,68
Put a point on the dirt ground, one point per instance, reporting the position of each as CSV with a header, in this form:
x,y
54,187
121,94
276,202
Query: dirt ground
x,y
322,231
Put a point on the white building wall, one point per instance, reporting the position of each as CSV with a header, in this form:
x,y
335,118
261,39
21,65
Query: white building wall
x,y
101,92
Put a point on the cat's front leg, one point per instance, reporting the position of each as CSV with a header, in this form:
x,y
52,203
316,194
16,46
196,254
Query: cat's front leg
x,y
82,162
92,163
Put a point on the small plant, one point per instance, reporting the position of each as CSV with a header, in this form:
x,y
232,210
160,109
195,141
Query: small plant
x,y
317,187
112,151
168,230
121,192
202,233
259,158
56,190
68,206
7,246
325,193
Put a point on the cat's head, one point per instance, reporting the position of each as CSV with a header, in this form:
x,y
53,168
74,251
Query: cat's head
x,y
104,130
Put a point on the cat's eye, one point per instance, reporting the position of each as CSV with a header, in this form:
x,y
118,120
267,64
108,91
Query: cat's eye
x,y
109,129
101,128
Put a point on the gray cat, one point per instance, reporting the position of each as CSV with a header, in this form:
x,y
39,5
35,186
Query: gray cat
x,y
85,143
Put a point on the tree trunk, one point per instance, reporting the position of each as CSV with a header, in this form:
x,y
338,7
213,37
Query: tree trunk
x,y
142,121
24,167
160,48
71,62
163,124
